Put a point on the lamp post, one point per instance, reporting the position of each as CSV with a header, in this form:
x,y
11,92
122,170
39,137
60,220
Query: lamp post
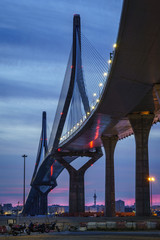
x,y
24,156
151,179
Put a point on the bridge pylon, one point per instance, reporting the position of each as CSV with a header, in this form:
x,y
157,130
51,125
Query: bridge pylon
x,y
37,203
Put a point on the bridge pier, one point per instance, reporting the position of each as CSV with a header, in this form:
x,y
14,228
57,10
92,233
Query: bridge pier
x,y
109,144
76,185
141,125
43,203
34,209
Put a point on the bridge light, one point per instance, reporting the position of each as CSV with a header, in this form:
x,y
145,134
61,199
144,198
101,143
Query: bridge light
x,y
114,45
59,149
51,170
91,144
94,94
109,61
88,113
74,127
77,124
100,84
81,121
151,179
61,113
97,100
105,74
145,112
93,107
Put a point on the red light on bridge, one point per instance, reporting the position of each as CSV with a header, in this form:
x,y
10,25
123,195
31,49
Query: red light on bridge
x,y
97,130
59,149
72,66
91,164
51,169
61,113
91,144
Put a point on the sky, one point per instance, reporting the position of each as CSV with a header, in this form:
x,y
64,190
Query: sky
x,y
35,42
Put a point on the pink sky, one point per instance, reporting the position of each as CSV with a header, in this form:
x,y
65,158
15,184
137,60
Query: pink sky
x,y
60,198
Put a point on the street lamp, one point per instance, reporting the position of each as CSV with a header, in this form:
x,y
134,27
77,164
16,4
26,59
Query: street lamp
x,y
24,156
151,179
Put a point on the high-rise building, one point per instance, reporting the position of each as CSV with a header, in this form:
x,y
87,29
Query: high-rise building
x,y
120,207
7,207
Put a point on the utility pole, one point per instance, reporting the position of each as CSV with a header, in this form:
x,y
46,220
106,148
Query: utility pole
x,y
24,156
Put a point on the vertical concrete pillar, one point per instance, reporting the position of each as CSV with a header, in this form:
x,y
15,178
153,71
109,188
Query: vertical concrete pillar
x,y
109,144
43,203
141,124
76,189
35,205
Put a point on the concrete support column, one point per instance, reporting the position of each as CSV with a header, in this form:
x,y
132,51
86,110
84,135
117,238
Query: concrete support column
x,y
43,204
76,191
141,124
35,206
76,185
109,144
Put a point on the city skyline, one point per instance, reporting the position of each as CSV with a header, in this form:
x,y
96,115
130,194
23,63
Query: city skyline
x,y
35,45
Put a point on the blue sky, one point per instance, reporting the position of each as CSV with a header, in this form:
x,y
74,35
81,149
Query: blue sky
x,y
35,42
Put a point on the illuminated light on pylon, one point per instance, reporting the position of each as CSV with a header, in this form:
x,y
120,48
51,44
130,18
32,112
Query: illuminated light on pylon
x,y
114,45
51,170
100,84
97,130
91,144
59,149
61,113
71,66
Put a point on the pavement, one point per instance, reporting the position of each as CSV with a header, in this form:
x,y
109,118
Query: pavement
x,y
88,235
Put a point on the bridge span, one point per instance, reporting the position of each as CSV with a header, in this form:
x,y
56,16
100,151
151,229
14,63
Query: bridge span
x,y
129,103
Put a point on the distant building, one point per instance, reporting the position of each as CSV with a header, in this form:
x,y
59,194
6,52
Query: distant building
x,y
57,209
129,208
1,209
7,207
156,207
95,197
119,205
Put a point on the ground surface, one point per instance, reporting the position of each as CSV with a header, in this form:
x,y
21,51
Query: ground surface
x,y
88,236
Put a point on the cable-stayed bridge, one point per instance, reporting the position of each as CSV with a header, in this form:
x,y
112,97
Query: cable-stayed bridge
x,y
101,103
